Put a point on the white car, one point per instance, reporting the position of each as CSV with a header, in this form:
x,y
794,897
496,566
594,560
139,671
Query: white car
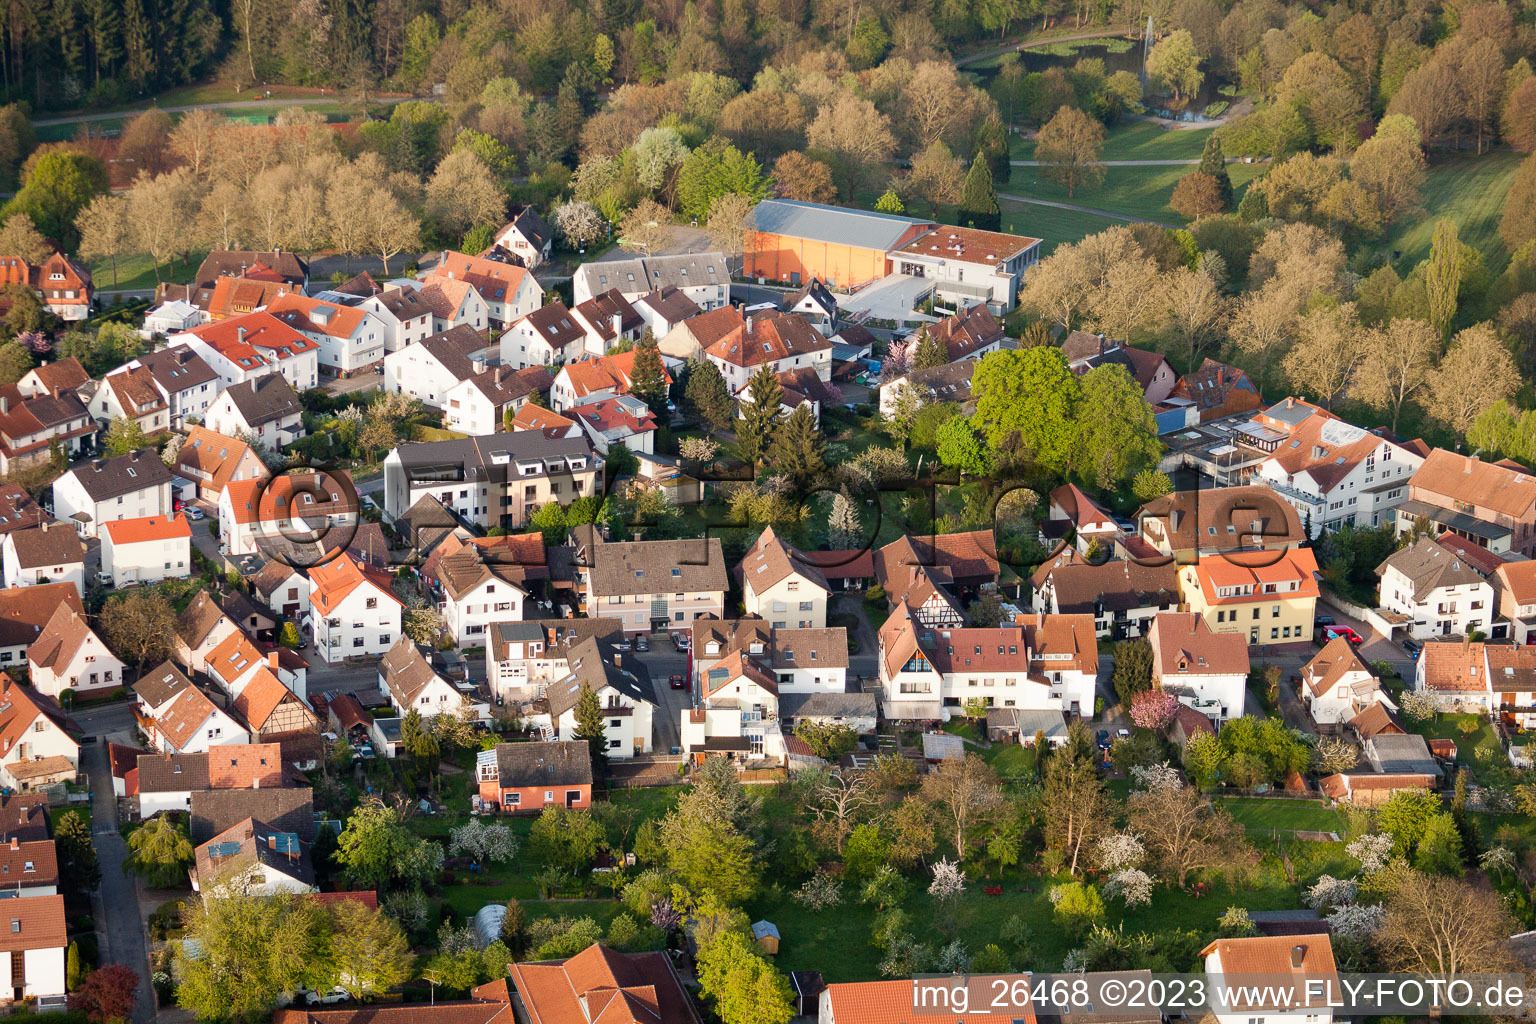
x,y
334,995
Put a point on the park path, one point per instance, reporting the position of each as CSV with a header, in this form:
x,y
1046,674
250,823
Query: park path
x,y
115,115
1102,33
1120,163
1082,209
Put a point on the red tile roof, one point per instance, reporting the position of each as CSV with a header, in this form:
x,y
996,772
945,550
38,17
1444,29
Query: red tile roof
x,y
148,528
37,922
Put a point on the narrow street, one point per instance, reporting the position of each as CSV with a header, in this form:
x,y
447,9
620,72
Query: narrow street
x,y
115,904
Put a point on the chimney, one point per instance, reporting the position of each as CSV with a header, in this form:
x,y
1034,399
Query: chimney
x,y
15,844
618,659
272,661
1466,467
1466,644
618,325
1298,954
749,325
239,333
5,404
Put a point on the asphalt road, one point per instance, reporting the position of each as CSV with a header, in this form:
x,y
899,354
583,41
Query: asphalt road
x,y
116,901
662,661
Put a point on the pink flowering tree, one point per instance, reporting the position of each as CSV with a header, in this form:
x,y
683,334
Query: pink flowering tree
x,y
1153,709
36,342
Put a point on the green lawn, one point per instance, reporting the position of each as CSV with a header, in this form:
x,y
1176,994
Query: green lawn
x,y
1136,140
1468,190
137,273
1448,727
83,810
1262,816
1134,191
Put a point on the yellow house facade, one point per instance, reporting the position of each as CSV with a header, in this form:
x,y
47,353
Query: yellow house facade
x,y
1273,603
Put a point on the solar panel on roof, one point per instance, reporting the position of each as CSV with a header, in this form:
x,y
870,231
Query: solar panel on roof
x,y
286,842
223,849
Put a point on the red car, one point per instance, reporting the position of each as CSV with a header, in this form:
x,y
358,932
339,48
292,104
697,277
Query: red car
x,y
676,682
1334,632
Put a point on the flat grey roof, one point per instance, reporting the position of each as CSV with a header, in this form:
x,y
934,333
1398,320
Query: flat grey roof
x,y
837,224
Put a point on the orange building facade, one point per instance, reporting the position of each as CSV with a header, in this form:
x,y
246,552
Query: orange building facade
x,y
793,243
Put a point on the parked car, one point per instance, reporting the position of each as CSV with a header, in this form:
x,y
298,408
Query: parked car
x,y
104,578
333,995
682,641
1334,632
1103,739
195,514
641,643
1323,620
1412,647
622,645
676,682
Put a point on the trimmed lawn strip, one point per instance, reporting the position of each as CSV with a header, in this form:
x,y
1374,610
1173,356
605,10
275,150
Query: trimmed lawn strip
x,y
1470,191
1261,816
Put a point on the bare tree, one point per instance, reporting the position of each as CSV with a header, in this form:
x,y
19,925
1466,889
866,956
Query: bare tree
x,y
647,229
965,795
840,796
1056,289
1077,812
856,134
1477,372
730,221
157,214
1069,146
1441,925
104,230
462,193
193,137
220,216
1399,358
267,207
930,99
1195,307
1264,325
1324,358
19,237
1185,832
937,177
388,227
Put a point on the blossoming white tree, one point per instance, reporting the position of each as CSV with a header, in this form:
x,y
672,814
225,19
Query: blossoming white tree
x,y
1331,892
1372,851
483,843
1132,885
948,881
1120,850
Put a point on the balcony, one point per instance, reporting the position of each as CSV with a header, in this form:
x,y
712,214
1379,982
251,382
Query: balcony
x,y
1292,494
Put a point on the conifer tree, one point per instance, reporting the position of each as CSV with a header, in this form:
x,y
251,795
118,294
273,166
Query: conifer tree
x,y
978,201
844,530
754,430
1214,163
796,448
707,393
590,727
649,379
930,351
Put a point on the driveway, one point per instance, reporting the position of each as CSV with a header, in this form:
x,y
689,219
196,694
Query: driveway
x,y
336,386
862,664
116,901
684,239
890,298
662,661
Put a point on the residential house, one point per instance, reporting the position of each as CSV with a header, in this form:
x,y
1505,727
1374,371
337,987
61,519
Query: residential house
x,y
1438,591
948,383
350,338
36,749
32,949
23,817
782,342
201,627
33,427
1338,686
65,286
283,589
1493,505
971,333
1511,675
815,305
1073,512
688,341
1212,392
1151,371
353,612
289,515
1206,670
29,869
494,480
131,393
623,419
892,1002
1515,586
284,266
653,584
639,987
50,553
481,586
528,237
254,289
1332,472
100,491
737,713
19,510
146,550
157,688
255,858
1122,596
704,277
454,304
1191,525
799,661
404,316
1372,789
509,292
410,683
928,673
53,378
623,689
188,383
212,461
24,611
245,347
935,576
591,379
781,587
1271,601
288,809
190,723
68,655
483,403
550,424
664,309
608,320
269,709
548,336
266,408
528,777
1455,675
1307,958
167,781
429,369
523,658
1064,654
